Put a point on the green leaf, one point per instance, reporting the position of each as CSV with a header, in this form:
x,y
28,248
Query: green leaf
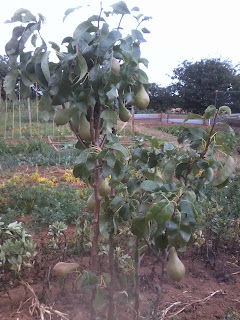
x,y
81,67
44,65
54,45
70,10
120,8
111,159
116,203
88,280
109,120
140,228
105,45
137,36
225,109
149,185
209,112
145,30
9,83
168,171
81,28
187,207
142,76
31,27
225,172
161,212
193,116
168,146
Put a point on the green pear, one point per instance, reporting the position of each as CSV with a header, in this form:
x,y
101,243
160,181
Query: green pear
x,y
104,188
63,116
91,203
76,120
84,128
141,99
124,113
175,268
115,66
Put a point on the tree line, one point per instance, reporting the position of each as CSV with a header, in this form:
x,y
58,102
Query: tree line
x,y
195,85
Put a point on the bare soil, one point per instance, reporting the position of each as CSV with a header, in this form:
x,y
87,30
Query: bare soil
x,y
204,293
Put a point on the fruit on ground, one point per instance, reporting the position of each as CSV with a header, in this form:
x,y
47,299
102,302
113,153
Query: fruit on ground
x,y
115,66
175,268
91,203
104,188
141,100
124,113
61,269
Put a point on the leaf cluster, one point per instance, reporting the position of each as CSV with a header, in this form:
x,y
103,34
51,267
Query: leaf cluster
x,y
17,249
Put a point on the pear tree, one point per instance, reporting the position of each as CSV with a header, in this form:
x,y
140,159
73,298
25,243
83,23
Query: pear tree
x,y
153,189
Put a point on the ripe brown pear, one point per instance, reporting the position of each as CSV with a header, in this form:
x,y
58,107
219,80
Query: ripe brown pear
x,y
141,100
124,113
115,66
104,188
175,268
91,203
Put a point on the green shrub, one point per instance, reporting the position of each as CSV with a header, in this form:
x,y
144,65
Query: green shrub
x,y
43,203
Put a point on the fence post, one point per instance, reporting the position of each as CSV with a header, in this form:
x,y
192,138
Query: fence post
x,y
19,112
13,120
29,117
0,94
5,124
167,117
37,109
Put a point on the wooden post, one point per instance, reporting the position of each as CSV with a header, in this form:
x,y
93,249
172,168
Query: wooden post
x,y
5,126
37,108
132,122
19,112
13,120
53,127
167,117
29,117
0,95
161,117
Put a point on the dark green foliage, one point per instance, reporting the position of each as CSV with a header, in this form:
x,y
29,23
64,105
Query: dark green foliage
x,y
35,152
161,98
44,204
222,219
196,83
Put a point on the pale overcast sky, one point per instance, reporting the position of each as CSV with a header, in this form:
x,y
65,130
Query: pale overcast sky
x,y
180,29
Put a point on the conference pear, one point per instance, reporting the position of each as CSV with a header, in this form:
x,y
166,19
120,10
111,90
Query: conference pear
x,y
124,113
115,66
104,188
91,203
175,268
141,99
62,116
84,128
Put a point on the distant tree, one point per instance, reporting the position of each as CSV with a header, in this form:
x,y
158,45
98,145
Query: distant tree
x,y
161,98
4,68
196,84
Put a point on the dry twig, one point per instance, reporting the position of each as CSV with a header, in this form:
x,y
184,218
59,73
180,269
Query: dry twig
x,y
185,305
39,309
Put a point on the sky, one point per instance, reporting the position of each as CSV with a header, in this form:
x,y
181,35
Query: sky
x,y
180,29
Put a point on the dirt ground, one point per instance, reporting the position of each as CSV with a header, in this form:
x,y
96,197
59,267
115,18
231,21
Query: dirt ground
x,y
205,292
